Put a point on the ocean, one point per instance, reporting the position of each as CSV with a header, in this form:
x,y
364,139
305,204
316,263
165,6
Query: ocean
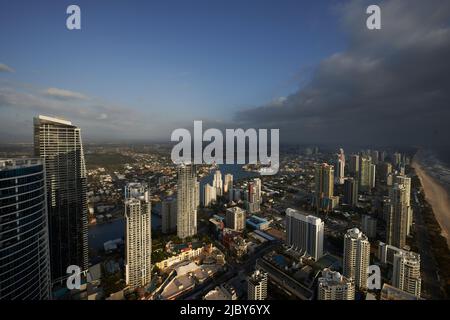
x,y
436,162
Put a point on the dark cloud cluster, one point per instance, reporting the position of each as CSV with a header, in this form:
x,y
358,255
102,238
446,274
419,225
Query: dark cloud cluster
x,y
390,86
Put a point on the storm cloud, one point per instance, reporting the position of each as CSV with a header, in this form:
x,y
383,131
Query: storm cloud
x,y
390,86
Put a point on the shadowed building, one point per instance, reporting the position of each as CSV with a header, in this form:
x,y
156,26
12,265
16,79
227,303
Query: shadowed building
x,y
58,143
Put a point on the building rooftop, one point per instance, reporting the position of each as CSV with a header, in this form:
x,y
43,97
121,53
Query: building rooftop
x,y
8,164
42,118
389,292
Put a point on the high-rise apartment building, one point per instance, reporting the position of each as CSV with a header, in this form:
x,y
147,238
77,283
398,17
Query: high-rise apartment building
x,y
369,226
333,286
24,247
398,213
375,155
356,257
209,195
397,159
351,191
257,285
406,182
365,170
253,196
197,194
324,187
406,272
372,176
186,202
235,218
228,183
340,167
384,169
304,232
218,183
353,166
138,238
58,143
169,215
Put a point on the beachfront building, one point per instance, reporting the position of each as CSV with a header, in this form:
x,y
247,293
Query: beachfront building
x,y
398,212
406,272
406,182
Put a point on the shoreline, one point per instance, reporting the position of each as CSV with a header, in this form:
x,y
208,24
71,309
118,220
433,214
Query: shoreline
x,y
437,196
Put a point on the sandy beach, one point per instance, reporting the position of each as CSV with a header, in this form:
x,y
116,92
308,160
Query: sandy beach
x,y
438,198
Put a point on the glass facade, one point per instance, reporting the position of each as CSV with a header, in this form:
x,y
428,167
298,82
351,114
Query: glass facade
x,y
24,248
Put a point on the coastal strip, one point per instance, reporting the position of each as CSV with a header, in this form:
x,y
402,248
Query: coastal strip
x,y
437,196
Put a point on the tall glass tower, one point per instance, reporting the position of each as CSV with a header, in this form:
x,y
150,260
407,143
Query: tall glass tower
x,y
58,143
24,251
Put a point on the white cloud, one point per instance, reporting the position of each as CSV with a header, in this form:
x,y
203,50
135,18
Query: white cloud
x,y
65,94
5,68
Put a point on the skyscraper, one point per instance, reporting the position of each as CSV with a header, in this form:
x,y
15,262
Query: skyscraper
x,y
228,183
365,168
398,212
356,257
406,272
383,171
197,194
372,176
333,286
397,159
58,143
24,248
254,198
324,187
406,182
340,167
369,226
353,166
304,232
257,286
375,155
351,191
138,238
209,195
169,215
218,183
235,218
186,202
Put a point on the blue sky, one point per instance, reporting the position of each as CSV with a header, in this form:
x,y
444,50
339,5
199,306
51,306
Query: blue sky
x,y
139,69
169,60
